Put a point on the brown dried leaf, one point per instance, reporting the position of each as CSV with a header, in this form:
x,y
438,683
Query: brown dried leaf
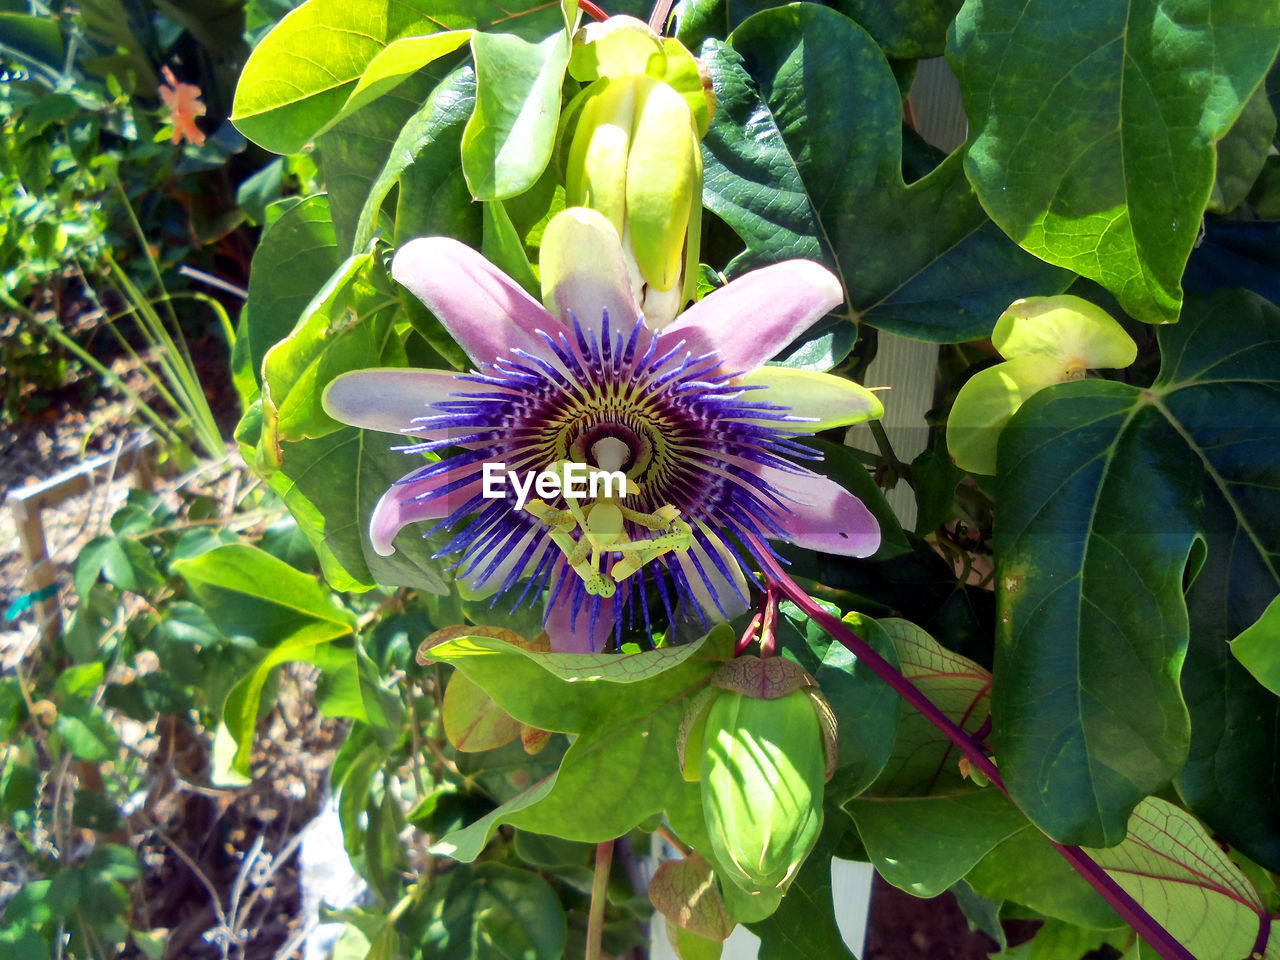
x,y
684,891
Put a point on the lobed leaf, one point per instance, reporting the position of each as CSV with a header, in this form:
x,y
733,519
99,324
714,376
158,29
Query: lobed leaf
x,y
799,173
1066,105
1105,491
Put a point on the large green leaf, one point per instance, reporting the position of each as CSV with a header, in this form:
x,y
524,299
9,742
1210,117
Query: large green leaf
x,y
1025,868
248,592
354,152
301,78
1180,876
512,130
625,709
797,172
427,155
904,29
1093,127
923,824
1104,490
296,256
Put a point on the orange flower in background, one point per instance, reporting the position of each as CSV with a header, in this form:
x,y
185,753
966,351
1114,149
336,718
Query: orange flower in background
x,y
183,101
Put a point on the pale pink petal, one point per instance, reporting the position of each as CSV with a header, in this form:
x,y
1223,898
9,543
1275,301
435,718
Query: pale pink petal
x,y
569,634
487,312
389,399
400,507
751,319
824,515
583,271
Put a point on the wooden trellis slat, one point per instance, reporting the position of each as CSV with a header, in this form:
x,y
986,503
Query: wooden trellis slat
x,y
27,503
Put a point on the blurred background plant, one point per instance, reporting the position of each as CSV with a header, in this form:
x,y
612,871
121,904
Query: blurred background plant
x,y
102,178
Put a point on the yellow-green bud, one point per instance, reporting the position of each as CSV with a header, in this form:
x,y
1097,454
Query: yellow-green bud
x,y
763,769
634,154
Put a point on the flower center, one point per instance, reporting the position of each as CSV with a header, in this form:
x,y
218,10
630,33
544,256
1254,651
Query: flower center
x,y
611,445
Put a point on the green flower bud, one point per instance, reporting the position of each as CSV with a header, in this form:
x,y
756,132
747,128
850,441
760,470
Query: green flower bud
x,y
763,769
634,154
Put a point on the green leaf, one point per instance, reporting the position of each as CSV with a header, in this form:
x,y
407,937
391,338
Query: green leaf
x,y
1180,876
1235,721
80,681
1026,869
904,29
1105,488
301,78
1242,153
122,562
331,486
1057,941
1258,647
32,38
512,130
295,258
493,910
248,592
399,60
625,709
354,151
1064,105
503,247
347,326
472,721
799,173
427,151
86,731
922,823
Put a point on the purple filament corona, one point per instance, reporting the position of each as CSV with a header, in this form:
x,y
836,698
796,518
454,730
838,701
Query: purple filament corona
x,y
691,436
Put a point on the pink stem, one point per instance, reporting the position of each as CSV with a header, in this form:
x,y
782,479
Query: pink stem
x,y
1132,911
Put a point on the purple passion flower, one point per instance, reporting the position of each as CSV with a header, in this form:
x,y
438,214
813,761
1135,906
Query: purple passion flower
x,y
703,431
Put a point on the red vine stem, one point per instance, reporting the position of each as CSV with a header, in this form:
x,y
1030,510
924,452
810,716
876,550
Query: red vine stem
x,y
1111,891
594,12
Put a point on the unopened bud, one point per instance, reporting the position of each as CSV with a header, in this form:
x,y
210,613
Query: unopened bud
x,y
763,769
634,155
